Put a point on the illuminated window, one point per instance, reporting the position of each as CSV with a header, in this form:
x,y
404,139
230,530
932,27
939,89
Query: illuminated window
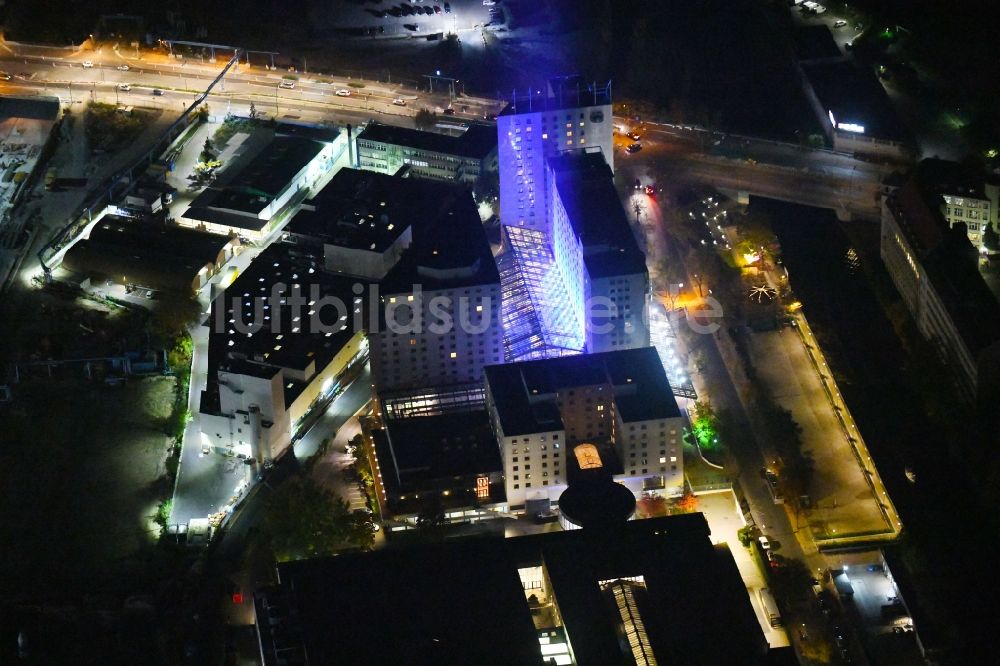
x,y
569,133
545,135
413,341
454,354
409,298
479,308
392,299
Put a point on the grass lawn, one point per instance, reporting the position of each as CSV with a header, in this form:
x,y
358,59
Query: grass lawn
x,y
81,471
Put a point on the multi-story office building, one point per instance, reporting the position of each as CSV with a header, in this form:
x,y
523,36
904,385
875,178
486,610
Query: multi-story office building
x,y
264,178
568,116
967,197
618,404
270,361
595,249
653,591
933,265
439,305
582,285
428,155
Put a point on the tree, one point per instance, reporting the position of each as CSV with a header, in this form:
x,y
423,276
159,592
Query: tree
x,y
991,239
430,519
704,425
651,506
207,151
747,535
688,502
304,520
425,119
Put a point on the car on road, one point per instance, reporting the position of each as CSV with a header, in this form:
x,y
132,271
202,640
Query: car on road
x,y
157,92
412,27
764,543
489,116
87,64
449,111
343,92
635,136
839,24
399,102
447,8
650,191
122,68
124,87
5,76
287,85
206,448
633,148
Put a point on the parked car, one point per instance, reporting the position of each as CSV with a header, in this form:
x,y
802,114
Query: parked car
x,y
764,543
343,92
437,9
449,111
87,64
399,102
839,24
122,68
447,8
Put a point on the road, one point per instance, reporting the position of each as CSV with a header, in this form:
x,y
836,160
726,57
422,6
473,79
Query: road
x,y
313,97
761,167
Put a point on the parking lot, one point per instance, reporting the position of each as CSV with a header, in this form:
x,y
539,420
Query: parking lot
x,y
413,18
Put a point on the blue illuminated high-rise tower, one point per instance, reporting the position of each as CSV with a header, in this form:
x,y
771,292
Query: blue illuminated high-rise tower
x,y
569,115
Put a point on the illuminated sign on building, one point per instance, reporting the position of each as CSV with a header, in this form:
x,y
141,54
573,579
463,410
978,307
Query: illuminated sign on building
x,y
482,487
851,127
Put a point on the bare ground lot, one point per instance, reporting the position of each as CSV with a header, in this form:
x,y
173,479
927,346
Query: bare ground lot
x,y
81,471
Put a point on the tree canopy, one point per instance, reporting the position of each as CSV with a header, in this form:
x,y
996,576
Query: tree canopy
x,y
303,519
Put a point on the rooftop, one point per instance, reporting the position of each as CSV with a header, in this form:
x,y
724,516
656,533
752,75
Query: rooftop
x,y
476,142
449,250
567,92
587,190
814,42
368,210
31,108
951,178
157,256
524,393
261,168
950,262
461,601
855,96
426,452
283,341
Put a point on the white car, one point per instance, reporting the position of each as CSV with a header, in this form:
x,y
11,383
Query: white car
x,y
124,87
287,85
343,92
399,102
839,24
122,68
87,64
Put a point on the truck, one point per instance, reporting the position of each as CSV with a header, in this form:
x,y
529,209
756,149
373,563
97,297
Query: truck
x,y
769,607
